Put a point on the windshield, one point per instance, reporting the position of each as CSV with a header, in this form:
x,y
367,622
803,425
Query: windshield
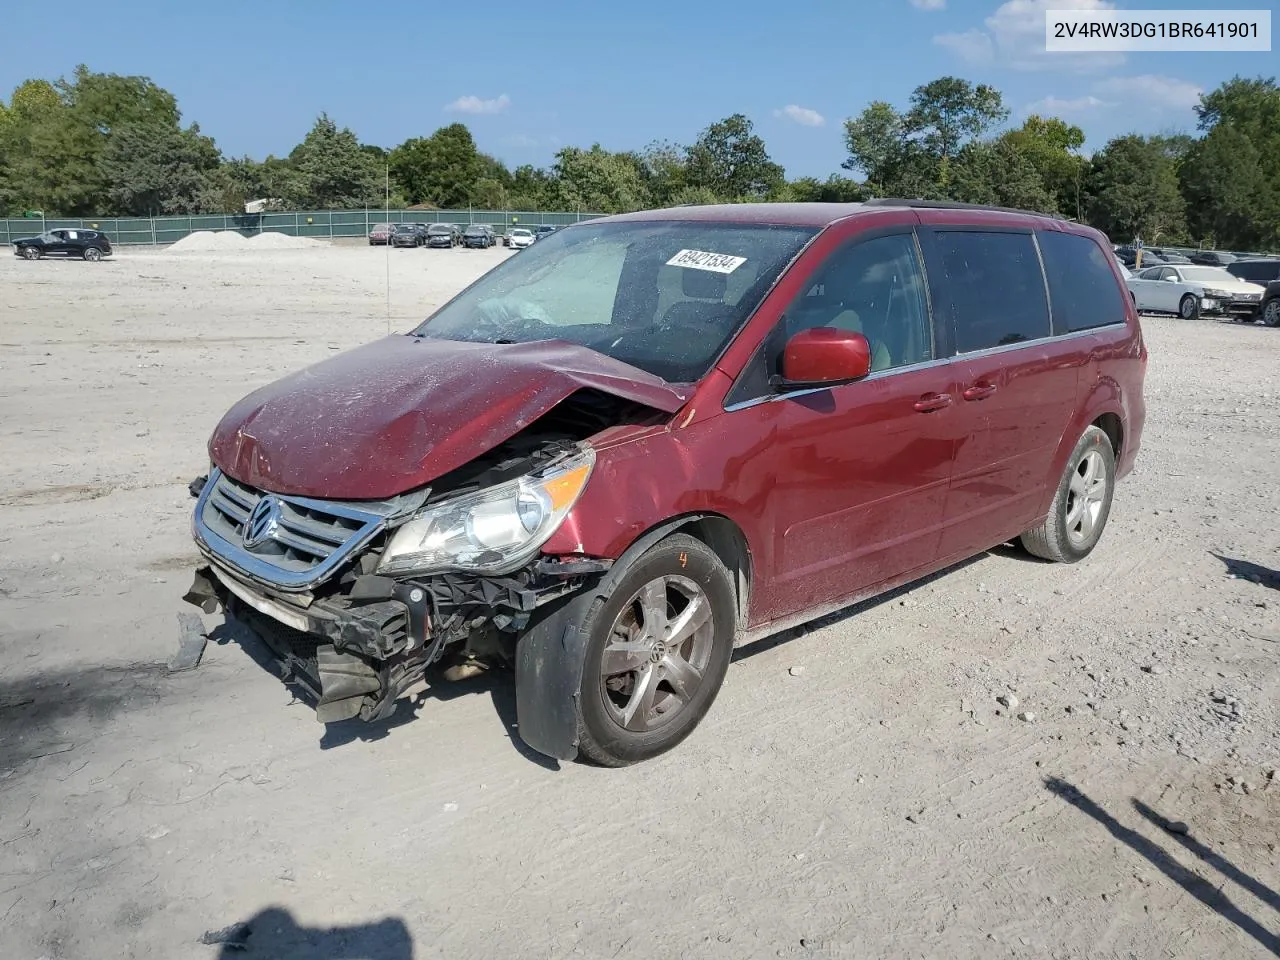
x,y
1207,275
384,227
405,228
665,296
475,228
521,233
439,228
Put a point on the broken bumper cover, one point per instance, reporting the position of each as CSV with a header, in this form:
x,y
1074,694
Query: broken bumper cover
x,y
357,651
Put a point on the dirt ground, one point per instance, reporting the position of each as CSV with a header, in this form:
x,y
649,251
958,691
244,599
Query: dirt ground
x,y
879,802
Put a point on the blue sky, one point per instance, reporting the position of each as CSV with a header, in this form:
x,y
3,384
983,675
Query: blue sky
x,y
531,77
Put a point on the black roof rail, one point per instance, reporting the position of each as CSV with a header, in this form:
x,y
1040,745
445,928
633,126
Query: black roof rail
x,y
954,205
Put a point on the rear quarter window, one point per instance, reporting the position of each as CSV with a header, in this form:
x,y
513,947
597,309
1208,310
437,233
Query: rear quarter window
x,y
1083,291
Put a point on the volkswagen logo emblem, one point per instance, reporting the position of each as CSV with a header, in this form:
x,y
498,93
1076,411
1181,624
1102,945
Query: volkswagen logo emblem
x,y
262,522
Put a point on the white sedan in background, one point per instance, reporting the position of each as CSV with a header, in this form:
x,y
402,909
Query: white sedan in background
x,y
1190,290
521,238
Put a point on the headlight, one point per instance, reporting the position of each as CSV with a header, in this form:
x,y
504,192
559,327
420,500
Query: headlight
x,y
493,530
1217,294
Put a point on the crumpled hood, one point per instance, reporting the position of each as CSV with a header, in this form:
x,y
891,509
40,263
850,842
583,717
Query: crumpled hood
x,y
395,414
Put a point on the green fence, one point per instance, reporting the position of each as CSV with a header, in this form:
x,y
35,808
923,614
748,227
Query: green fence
x,y
304,223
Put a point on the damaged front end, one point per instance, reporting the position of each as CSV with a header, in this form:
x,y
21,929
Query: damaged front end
x,y
356,599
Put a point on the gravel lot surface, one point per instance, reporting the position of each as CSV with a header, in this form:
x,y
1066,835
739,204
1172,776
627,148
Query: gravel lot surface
x,y
861,790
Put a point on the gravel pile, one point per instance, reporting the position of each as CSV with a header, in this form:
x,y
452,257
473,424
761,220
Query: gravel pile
x,y
282,241
206,240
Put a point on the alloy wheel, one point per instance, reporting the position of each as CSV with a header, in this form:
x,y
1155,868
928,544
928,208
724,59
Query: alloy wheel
x,y
658,651
1086,496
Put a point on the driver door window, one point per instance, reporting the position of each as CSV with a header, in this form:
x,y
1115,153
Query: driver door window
x,y
875,288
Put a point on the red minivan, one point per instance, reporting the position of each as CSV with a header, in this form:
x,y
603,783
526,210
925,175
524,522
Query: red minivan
x,y
654,436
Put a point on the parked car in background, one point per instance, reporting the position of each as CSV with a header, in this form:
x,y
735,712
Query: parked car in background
x,y
1261,270
613,477
1129,257
478,235
91,245
443,235
544,230
1166,254
408,235
1211,258
1264,271
519,238
380,233
1190,291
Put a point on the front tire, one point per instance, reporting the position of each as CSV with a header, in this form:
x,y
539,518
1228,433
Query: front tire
x,y
657,653
1081,504
1189,307
31,253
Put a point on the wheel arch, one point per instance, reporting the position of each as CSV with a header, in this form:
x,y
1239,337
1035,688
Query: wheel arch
x,y
549,654
1111,424
1103,407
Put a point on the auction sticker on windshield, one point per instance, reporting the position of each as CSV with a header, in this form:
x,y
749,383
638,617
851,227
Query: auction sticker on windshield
x,y
702,260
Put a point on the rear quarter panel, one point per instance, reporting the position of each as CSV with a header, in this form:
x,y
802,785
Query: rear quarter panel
x,y
1111,382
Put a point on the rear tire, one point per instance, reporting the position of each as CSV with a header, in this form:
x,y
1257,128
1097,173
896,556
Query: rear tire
x,y
92,254
1271,313
643,694
1081,505
1189,307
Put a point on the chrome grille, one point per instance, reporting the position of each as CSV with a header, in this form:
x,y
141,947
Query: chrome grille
x,y
307,540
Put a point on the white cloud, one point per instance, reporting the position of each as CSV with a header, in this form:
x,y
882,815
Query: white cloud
x,y
972,46
476,105
929,4
1152,90
801,115
1052,106
1014,35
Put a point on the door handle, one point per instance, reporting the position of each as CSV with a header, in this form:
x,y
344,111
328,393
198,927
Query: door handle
x,y
980,391
932,401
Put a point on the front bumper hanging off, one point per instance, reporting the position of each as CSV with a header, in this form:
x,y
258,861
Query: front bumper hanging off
x,y
357,650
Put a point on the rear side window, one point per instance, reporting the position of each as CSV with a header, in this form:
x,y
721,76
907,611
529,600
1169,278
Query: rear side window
x,y
995,287
1082,288
1260,271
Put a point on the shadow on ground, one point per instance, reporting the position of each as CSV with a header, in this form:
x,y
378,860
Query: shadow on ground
x,y
1203,889
275,934
1254,572
56,711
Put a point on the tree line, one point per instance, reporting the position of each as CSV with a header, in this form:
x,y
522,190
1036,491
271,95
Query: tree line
x,y
100,144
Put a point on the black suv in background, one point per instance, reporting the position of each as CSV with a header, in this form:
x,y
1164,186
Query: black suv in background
x,y
89,245
1264,271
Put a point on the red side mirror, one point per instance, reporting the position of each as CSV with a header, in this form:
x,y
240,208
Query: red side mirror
x,y
825,356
